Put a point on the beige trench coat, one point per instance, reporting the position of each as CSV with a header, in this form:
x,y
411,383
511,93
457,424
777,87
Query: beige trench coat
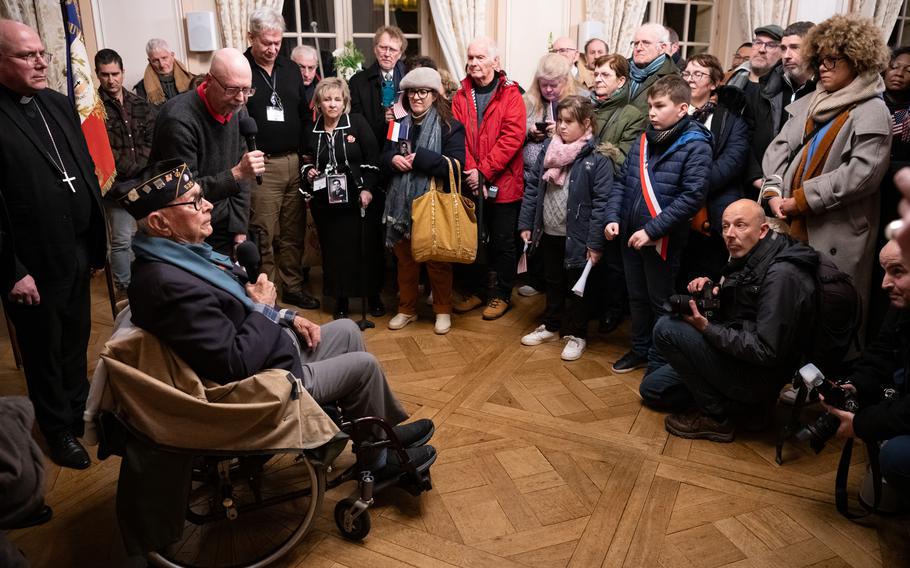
x,y
844,198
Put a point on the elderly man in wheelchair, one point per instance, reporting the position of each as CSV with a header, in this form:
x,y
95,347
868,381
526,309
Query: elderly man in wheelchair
x,y
248,363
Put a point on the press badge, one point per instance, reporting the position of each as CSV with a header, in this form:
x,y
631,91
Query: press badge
x,y
320,183
274,114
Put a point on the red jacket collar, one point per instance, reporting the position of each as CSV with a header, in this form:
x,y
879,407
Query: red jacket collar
x,y
222,119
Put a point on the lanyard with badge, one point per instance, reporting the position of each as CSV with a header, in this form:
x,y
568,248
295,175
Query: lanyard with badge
x,y
274,111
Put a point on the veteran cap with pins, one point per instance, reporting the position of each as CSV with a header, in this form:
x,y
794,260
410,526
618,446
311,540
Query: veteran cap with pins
x,y
157,185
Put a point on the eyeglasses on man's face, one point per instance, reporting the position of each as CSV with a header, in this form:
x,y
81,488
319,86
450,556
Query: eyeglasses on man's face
x,y
234,91
196,202
759,44
32,57
563,50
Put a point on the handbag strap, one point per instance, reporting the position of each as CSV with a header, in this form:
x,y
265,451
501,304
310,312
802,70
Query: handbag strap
x,y
454,180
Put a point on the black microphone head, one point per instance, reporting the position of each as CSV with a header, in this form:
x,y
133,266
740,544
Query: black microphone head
x,y
248,126
248,257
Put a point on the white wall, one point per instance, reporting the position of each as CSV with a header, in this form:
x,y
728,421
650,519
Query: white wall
x,y
126,25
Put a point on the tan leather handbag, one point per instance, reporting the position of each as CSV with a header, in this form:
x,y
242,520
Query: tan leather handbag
x,y
444,225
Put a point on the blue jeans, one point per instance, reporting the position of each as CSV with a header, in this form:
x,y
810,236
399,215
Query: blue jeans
x,y
121,227
650,282
697,373
895,460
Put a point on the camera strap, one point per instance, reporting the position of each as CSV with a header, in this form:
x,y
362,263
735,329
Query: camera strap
x,y
840,483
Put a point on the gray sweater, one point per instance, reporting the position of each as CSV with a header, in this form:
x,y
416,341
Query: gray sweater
x,y
185,129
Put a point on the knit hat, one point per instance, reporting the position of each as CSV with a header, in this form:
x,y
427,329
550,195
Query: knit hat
x,y
422,78
772,30
158,185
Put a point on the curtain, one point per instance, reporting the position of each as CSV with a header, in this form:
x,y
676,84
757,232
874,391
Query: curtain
x,y
235,18
764,12
46,17
457,22
884,13
621,18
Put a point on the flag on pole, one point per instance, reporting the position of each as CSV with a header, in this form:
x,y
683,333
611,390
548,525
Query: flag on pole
x,y
85,98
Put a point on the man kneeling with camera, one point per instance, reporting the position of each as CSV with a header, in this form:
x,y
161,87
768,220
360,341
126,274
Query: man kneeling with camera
x,y
734,362
879,383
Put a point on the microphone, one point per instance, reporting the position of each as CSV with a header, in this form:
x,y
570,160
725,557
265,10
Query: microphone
x,y
248,130
248,257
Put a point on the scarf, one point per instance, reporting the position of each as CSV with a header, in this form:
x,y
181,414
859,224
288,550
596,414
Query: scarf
x,y
560,156
640,75
153,91
408,186
811,163
663,138
825,106
703,113
199,260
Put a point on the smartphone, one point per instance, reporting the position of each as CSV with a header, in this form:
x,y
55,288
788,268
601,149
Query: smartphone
x,y
541,126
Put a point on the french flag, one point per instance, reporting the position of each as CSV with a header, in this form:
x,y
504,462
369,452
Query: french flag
x,y
398,130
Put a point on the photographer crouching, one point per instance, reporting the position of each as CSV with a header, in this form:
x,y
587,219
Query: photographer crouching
x,y
879,381
734,362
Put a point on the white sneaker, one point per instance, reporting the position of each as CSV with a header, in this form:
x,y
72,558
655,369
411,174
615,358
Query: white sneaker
x,y
400,320
539,335
527,290
443,324
574,349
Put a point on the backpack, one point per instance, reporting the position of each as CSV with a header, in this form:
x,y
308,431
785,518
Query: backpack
x,y
838,315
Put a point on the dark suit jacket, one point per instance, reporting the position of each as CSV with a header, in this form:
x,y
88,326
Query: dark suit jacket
x,y
37,236
366,97
207,327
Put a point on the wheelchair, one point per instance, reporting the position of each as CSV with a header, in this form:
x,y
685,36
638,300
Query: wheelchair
x,y
248,509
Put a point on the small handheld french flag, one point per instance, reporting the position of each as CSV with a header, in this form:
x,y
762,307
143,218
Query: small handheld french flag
x,y
399,130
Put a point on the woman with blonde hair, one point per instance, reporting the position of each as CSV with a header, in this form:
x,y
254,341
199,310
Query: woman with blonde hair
x,y
341,173
822,172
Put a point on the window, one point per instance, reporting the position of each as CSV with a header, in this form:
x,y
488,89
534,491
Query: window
x,y
693,20
338,22
900,35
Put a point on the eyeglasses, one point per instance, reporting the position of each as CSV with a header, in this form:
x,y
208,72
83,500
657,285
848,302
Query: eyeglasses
x,y
765,44
234,91
563,50
196,203
387,49
828,63
32,57
697,75
419,93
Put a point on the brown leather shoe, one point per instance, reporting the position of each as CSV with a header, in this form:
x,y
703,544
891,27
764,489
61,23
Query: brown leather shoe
x,y
496,308
466,304
697,426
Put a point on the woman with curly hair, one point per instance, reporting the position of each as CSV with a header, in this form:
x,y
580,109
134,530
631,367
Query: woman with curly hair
x,y
822,172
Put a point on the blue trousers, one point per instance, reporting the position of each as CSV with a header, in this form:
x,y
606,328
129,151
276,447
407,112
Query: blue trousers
x,y
895,461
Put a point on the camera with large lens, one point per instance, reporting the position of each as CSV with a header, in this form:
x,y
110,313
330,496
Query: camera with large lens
x,y
825,426
706,303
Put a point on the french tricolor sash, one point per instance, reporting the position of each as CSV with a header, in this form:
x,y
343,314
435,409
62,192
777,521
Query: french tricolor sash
x,y
647,191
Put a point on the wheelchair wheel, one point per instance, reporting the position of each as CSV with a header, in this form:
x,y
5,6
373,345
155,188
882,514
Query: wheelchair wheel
x,y
360,525
246,512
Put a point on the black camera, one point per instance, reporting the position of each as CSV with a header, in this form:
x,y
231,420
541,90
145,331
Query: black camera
x,y
706,303
825,426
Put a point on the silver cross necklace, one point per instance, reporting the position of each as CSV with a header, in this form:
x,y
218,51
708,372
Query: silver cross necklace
x,y
61,167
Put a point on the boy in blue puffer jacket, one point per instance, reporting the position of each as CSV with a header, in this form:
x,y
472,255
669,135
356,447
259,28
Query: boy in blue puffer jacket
x,y
663,183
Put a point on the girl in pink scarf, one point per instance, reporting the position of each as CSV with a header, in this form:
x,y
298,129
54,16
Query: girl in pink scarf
x,y
562,216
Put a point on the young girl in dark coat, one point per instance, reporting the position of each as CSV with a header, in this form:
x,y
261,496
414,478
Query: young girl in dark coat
x,y
563,215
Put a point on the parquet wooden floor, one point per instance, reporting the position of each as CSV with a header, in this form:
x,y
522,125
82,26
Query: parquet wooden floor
x,y
541,463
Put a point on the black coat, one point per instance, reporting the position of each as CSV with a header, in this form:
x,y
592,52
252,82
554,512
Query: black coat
x,y
427,162
345,249
37,230
730,136
885,363
206,326
366,96
768,306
